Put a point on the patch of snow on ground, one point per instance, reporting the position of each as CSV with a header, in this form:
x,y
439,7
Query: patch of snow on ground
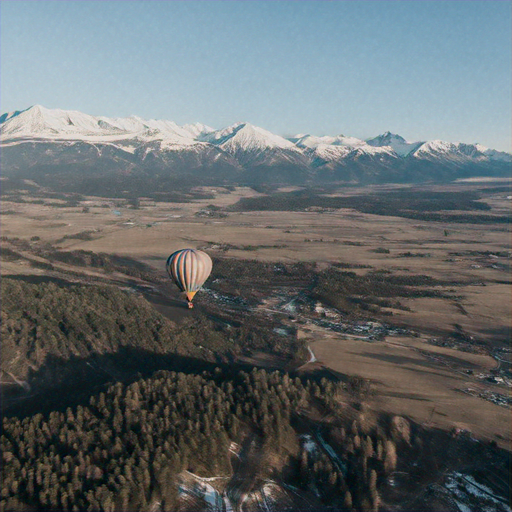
x,y
184,490
309,445
268,496
234,448
290,307
332,454
313,358
211,496
228,505
319,308
209,479
466,491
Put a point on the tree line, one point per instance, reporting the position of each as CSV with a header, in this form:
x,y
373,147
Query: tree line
x,y
364,296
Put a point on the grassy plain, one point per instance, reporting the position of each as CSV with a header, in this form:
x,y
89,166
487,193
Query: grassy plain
x,y
410,375
417,380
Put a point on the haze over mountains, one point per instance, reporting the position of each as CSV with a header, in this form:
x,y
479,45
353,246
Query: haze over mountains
x,y
42,144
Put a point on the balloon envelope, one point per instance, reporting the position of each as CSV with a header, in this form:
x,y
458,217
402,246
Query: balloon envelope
x,y
189,269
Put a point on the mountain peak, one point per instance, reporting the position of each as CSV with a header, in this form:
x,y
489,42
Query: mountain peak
x,y
389,136
245,136
396,142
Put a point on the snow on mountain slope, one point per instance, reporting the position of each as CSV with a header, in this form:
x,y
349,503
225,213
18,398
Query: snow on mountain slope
x,y
156,127
165,140
372,151
197,129
247,144
245,136
38,122
311,141
453,152
9,115
499,156
329,152
137,125
328,149
253,146
399,145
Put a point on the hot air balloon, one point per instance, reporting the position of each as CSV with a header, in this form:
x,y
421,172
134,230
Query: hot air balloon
x,y
189,269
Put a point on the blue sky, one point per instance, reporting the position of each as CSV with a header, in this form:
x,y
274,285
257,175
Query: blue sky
x,y
424,69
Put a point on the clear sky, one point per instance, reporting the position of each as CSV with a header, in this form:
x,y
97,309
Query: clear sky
x,y
424,69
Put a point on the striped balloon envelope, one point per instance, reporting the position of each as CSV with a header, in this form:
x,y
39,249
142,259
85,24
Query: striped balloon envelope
x,y
189,269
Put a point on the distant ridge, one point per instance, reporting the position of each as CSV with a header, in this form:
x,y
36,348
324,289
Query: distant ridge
x,y
39,141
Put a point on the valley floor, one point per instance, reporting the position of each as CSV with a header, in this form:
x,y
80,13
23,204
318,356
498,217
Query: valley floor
x,y
442,359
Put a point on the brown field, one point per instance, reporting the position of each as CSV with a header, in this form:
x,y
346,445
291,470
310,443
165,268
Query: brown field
x,y
411,384
406,379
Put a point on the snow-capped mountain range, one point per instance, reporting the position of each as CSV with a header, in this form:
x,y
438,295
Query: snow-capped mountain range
x,y
39,123
38,136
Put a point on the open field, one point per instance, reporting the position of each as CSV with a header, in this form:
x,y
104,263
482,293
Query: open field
x,y
410,375
420,381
